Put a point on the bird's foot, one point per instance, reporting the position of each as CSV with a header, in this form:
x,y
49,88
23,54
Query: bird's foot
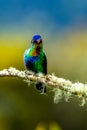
x,y
29,72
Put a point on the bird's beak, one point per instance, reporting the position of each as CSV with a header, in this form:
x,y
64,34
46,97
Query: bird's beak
x,y
38,41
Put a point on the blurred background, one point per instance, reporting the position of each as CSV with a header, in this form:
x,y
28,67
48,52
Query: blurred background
x,y
63,27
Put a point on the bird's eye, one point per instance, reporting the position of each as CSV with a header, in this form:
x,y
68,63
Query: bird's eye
x,y
36,42
33,41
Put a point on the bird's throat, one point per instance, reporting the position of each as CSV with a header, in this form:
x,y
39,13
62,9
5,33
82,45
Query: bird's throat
x,y
35,51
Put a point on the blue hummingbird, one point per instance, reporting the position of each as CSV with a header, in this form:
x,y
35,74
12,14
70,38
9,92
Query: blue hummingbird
x,y
35,59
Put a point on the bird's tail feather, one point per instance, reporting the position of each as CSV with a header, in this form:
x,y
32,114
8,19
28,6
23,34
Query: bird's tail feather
x,y
40,86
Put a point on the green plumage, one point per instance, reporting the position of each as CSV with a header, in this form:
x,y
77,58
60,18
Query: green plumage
x,y
35,59
39,64
36,63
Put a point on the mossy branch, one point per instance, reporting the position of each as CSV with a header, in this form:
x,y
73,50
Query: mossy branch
x,y
62,88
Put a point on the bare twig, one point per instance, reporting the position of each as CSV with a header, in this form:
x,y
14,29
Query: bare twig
x,y
61,87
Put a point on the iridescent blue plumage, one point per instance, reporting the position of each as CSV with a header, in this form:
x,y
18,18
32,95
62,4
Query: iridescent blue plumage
x,y
35,59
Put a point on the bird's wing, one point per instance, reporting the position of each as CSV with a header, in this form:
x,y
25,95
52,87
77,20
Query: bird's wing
x,y
27,61
44,63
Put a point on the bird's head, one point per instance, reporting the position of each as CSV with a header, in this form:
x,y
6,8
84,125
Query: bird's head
x,y
36,42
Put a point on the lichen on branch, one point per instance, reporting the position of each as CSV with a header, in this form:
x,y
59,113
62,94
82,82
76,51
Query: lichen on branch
x,y
61,87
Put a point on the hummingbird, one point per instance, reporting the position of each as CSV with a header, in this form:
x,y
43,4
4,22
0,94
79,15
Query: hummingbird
x,y
36,60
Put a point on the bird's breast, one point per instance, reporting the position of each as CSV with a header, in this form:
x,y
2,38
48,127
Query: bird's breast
x,y
33,59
